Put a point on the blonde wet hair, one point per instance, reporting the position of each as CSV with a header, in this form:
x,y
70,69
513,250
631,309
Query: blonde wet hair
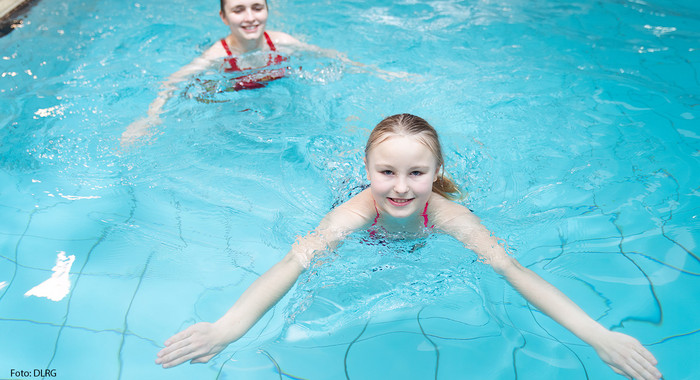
x,y
405,124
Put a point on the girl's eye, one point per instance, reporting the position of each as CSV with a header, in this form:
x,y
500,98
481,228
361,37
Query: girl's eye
x,y
238,9
387,172
258,7
416,173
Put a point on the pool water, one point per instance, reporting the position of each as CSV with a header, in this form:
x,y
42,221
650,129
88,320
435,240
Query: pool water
x,y
572,125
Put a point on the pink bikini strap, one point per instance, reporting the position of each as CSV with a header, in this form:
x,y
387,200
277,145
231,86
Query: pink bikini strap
x,y
425,215
377,216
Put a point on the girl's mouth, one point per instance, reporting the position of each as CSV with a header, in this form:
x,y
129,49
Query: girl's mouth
x,y
250,28
399,202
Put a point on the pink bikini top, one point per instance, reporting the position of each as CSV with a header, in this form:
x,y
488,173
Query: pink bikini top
x,y
424,214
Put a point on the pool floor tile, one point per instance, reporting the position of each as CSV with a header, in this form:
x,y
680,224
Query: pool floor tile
x,y
83,354
137,361
26,344
392,353
161,308
13,222
15,305
544,358
101,302
323,361
116,257
42,253
677,360
594,225
66,221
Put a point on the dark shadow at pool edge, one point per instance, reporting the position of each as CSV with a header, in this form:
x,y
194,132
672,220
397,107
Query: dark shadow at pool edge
x,y
14,18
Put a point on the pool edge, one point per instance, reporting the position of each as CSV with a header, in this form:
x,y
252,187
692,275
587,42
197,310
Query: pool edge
x,y
9,11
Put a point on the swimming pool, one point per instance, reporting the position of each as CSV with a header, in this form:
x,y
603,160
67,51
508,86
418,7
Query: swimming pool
x,y
573,125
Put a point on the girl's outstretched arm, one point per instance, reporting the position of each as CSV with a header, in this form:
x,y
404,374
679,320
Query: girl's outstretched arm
x,y
140,127
202,341
624,354
283,39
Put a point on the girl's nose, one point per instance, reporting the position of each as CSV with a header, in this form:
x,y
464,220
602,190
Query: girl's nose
x,y
249,15
400,186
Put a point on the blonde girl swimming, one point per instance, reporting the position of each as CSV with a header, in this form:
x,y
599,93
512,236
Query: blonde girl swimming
x,y
408,193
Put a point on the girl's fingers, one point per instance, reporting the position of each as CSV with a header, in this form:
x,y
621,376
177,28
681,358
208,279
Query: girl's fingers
x,y
648,356
180,356
638,367
619,371
184,334
647,363
187,345
173,347
177,360
637,371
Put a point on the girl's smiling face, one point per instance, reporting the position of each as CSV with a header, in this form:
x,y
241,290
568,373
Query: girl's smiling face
x,y
245,18
401,171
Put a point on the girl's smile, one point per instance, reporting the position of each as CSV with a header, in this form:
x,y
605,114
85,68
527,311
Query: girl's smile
x,y
246,19
251,28
398,202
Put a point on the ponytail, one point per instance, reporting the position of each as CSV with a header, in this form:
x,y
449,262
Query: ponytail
x,y
447,188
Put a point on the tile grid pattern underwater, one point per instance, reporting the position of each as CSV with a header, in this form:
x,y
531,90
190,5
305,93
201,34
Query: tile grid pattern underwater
x,y
61,325
92,267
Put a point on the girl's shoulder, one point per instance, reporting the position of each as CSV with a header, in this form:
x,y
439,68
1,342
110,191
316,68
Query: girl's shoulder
x,y
281,38
215,51
356,213
445,213
437,202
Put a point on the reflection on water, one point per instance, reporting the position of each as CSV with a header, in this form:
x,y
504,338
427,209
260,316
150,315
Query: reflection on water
x,y
58,286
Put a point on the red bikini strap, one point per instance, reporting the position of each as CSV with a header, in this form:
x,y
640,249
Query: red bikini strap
x,y
267,38
225,45
269,42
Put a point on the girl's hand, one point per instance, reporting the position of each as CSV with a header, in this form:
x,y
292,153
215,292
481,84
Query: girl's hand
x,y
198,343
626,356
138,129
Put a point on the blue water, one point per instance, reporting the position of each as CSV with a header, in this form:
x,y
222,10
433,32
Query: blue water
x,y
573,126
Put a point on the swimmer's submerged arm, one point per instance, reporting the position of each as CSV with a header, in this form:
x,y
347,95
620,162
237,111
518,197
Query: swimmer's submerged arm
x,y
168,87
199,64
280,38
624,354
354,214
359,66
202,341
